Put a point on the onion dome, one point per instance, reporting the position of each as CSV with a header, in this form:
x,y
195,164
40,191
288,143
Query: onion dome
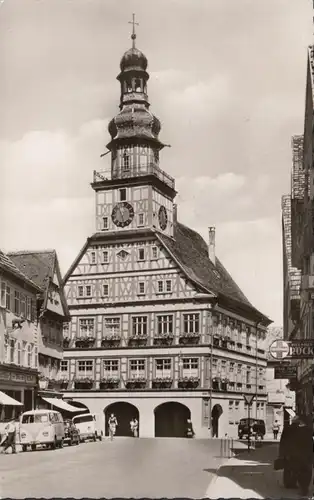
x,y
133,59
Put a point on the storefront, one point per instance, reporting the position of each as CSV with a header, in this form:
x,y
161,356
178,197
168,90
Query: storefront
x,y
19,384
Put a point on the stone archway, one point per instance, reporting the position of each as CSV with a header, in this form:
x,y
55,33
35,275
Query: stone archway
x,y
216,414
124,413
171,419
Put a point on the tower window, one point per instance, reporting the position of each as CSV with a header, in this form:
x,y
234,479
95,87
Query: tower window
x,y
126,161
93,257
105,290
141,254
122,194
138,85
140,220
105,256
141,288
129,86
105,223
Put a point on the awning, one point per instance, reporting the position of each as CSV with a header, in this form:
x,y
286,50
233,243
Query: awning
x,y
59,403
290,412
7,400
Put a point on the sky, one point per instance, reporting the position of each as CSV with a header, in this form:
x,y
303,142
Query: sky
x,y
227,80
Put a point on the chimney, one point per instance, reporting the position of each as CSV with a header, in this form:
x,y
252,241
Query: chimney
x,y
212,244
175,212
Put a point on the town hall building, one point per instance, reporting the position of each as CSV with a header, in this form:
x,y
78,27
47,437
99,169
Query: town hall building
x,y
159,330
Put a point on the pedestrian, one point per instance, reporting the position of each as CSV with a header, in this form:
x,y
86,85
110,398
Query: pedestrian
x,y
9,442
296,451
276,428
189,429
113,424
134,427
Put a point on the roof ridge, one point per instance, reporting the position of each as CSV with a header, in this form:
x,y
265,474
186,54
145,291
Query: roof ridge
x,y
27,252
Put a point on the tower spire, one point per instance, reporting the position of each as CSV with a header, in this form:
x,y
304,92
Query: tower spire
x,y
133,36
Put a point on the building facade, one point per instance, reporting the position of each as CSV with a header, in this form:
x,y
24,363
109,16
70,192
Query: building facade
x,y
18,339
159,330
42,268
298,245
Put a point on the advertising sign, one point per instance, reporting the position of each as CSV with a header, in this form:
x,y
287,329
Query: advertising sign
x,y
285,371
294,349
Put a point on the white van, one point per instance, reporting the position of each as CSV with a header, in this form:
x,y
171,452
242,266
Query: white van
x,y
41,427
89,425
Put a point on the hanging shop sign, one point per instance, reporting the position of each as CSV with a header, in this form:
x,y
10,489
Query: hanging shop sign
x,y
294,349
286,371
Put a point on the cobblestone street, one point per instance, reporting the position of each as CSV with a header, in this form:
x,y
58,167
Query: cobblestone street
x,y
122,468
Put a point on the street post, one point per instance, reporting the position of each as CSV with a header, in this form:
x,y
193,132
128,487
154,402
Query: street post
x,y
248,398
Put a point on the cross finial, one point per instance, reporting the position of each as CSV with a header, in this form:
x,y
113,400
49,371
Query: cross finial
x,y
133,36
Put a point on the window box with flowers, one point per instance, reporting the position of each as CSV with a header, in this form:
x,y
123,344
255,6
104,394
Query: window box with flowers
x,y
109,383
162,383
64,383
83,383
224,384
138,340
136,383
66,341
165,339
54,383
110,341
216,383
85,342
189,338
188,382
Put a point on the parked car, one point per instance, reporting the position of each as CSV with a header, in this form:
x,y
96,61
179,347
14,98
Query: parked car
x,y
41,427
71,433
257,428
89,425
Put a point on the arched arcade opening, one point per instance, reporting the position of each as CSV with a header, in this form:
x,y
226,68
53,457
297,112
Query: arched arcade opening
x,y
124,413
216,414
171,419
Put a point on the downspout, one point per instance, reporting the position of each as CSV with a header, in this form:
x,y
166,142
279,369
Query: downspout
x,y
256,370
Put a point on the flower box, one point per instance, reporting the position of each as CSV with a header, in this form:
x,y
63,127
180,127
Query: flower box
x,y
138,339
109,383
136,383
189,338
110,341
83,383
188,382
162,382
163,339
66,342
84,342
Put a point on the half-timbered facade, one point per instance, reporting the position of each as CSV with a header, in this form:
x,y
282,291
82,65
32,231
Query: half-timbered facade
x,y
159,330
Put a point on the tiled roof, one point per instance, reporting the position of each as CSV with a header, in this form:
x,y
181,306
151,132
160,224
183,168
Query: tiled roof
x,y
191,251
8,265
37,265
293,273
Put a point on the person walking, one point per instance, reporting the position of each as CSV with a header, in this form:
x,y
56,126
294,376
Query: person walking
x,y
296,450
276,428
112,424
189,429
134,427
10,430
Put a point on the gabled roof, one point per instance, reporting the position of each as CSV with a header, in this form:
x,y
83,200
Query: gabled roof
x,y
191,253
37,265
40,266
8,265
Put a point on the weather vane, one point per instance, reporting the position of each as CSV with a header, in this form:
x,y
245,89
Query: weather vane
x,y
133,36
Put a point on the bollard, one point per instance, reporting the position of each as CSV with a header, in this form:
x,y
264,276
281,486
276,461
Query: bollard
x,y
226,447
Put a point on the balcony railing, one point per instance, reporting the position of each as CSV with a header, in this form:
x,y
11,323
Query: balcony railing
x,y
133,171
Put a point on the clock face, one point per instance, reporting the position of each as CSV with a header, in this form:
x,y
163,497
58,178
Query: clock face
x,y
163,218
122,214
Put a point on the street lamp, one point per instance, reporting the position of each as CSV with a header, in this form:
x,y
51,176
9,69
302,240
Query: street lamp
x,y
248,398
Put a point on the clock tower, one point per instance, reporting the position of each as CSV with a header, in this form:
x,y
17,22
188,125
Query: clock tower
x,y
134,193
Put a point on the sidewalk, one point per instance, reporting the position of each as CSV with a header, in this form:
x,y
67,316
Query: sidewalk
x,y
251,475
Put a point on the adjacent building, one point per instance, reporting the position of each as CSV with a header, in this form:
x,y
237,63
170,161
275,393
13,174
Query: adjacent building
x,y
42,267
18,339
159,330
298,248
